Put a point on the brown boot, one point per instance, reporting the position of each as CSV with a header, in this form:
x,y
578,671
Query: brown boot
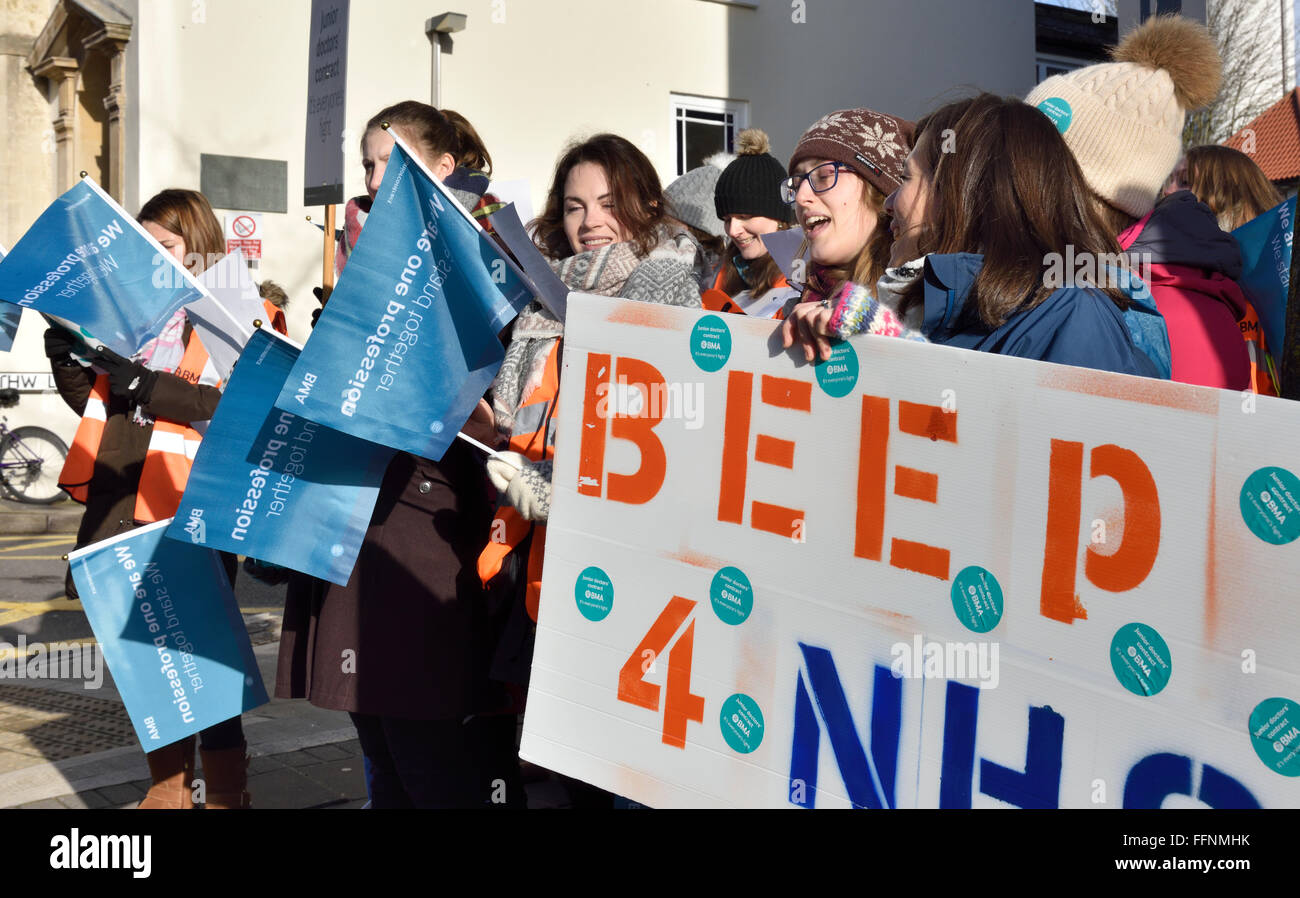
x,y
225,775
172,770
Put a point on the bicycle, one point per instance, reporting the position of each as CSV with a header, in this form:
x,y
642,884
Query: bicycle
x,y
31,459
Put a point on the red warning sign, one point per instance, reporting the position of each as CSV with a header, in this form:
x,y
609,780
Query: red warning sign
x,y
244,233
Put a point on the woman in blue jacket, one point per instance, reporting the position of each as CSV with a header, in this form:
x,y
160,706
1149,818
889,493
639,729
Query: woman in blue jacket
x,y
1016,260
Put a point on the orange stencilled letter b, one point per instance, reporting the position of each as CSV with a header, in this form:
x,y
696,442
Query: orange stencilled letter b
x,y
608,412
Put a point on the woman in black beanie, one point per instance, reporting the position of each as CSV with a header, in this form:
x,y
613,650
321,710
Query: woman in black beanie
x,y
748,200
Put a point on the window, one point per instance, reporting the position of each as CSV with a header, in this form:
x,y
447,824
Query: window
x,y
703,126
1162,7
1056,65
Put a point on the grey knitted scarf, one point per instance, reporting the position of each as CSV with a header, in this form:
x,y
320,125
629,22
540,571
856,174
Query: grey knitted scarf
x,y
666,276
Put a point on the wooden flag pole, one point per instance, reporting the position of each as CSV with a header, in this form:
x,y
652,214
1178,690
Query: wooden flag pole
x,y
327,266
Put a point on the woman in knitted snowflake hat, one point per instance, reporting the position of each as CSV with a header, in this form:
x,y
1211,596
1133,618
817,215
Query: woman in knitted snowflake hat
x,y
840,173
1123,121
748,201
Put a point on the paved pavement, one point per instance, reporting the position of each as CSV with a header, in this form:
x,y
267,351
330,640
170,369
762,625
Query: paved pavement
x,y
64,745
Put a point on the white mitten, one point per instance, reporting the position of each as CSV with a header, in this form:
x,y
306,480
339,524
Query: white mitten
x,y
525,484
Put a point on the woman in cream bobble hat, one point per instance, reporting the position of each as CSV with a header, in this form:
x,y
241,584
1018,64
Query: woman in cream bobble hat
x,y
1123,120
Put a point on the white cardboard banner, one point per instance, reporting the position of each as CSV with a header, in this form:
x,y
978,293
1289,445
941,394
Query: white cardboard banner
x,y
1086,581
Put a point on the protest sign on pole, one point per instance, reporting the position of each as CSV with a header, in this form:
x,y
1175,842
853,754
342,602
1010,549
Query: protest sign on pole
x,y
166,619
408,343
10,317
275,486
224,316
87,261
327,80
544,283
910,576
783,246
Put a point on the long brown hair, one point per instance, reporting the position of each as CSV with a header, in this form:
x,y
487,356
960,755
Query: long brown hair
x,y
188,214
1012,191
1230,183
763,272
639,202
434,132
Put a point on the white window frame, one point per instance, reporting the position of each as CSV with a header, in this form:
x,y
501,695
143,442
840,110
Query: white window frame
x,y
1043,60
738,109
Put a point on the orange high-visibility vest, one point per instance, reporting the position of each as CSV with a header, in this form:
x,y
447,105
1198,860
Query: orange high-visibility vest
x,y
172,444
715,299
508,524
79,466
1263,376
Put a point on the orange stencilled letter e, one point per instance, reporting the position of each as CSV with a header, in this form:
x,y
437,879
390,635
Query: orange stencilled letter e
x,y
604,417
914,419
780,392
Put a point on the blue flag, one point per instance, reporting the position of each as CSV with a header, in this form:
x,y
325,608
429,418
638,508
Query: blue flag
x,y
1265,243
166,620
273,485
10,315
86,261
408,342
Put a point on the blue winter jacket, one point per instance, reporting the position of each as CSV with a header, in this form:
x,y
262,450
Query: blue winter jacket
x,y
1074,326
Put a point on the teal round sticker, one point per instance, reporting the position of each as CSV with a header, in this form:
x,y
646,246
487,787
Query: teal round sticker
x,y
595,594
710,343
838,375
732,595
1270,505
977,599
1058,111
742,723
1140,658
1275,735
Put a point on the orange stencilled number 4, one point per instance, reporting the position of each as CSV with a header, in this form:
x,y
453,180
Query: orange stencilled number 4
x,y
680,706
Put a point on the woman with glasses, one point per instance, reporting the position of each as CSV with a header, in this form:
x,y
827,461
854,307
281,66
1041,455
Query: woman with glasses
x,y
840,173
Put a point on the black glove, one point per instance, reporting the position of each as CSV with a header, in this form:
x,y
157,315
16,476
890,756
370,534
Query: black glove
x,y
60,344
125,377
319,293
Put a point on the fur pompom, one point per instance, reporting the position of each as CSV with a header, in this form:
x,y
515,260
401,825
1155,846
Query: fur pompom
x,y
1181,47
720,161
752,142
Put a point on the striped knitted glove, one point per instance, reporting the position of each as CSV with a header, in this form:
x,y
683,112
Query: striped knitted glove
x,y
857,311
525,484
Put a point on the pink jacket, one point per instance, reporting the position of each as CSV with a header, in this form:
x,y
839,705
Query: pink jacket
x,y
1194,266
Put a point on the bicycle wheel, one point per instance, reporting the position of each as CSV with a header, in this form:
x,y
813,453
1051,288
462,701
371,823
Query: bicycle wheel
x,y
31,459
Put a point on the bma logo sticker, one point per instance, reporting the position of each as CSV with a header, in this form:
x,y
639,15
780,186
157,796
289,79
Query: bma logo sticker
x,y
197,530
1058,111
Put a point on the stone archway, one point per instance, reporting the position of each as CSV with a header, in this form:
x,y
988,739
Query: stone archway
x,y
81,53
